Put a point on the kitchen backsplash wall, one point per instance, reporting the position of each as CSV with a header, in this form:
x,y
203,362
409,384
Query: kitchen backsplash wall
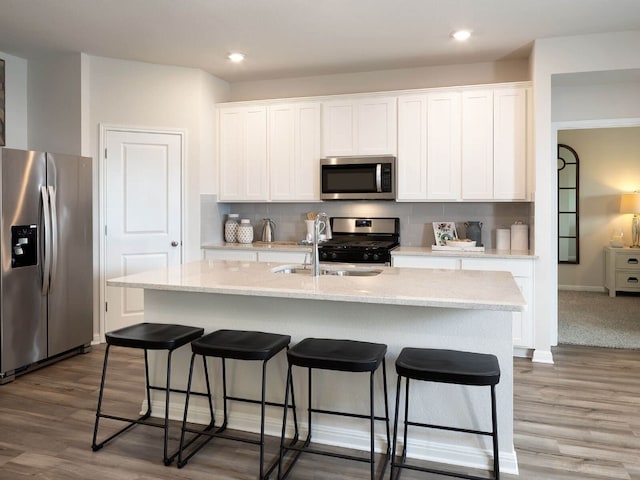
x,y
415,218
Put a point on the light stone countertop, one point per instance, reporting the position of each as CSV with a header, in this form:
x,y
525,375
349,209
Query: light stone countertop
x,y
490,253
427,251
463,289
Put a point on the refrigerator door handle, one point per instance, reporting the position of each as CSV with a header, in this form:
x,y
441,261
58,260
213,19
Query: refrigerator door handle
x,y
46,268
54,237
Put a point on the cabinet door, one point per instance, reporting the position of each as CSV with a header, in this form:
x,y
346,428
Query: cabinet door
x,y
282,161
377,125
307,152
443,146
242,154
230,153
294,152
412,148
477,145
359,126
339,127
510,144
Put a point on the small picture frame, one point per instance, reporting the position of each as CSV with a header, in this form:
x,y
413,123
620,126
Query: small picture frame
x,y
443,231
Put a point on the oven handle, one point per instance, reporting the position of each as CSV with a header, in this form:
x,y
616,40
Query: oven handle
x,y
379,178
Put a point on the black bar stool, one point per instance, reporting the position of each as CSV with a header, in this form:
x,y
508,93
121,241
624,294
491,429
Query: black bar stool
x,y
444,366
344,356
146,336
236,345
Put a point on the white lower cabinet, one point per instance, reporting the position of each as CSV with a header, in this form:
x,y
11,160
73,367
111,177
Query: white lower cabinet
x,y
255,255
230,254
520,268
283,257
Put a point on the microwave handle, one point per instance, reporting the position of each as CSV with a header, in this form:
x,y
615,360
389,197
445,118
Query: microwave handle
x,y
379,177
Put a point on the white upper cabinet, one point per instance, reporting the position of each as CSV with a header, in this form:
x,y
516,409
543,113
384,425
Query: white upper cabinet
x,y
359,126
294,151
444,120
412,148
452,144
510,143
242,153
429,146
477,144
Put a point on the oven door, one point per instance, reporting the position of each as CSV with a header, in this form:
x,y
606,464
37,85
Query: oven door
x,y
364,178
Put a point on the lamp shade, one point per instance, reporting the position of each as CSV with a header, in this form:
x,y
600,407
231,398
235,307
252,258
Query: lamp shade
x,y
630,203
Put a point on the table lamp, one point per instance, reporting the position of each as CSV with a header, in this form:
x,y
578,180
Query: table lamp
x,y
630,203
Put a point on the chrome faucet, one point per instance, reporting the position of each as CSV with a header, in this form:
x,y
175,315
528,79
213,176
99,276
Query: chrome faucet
x,y
321,218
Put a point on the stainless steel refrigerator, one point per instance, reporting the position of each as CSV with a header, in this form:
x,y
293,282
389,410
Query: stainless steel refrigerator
x,y
46,249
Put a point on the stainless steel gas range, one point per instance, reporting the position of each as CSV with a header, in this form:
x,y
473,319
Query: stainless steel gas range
x,y
361,240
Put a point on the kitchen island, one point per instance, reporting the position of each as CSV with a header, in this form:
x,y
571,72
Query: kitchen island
x,y
456,309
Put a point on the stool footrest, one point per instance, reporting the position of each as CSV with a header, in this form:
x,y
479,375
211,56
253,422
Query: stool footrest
x,y
304,448
435,471
344,414
450,429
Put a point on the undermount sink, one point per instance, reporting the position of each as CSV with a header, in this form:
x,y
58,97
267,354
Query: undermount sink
x,y
337,272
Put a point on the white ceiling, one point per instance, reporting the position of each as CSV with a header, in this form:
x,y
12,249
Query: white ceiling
x,y
296,38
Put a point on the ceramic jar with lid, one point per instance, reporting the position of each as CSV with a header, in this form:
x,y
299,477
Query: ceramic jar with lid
x,y
245,231
231,228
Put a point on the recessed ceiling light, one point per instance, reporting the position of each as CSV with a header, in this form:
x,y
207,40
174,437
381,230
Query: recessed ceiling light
x,y
461,35
236,57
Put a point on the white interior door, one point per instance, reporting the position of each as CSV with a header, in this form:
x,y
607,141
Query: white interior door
x,y
142,214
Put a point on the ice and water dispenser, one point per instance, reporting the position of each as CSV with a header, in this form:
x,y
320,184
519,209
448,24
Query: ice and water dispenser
x,y
24,242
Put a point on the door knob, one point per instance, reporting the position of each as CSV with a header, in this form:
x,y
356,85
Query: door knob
x,y
174,244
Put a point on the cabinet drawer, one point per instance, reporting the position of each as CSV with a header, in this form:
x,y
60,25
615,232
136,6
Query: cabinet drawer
x,y
231,254
518,268
628,261
418,261
628,280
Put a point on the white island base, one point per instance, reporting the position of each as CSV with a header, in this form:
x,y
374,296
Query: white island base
x,y
478,330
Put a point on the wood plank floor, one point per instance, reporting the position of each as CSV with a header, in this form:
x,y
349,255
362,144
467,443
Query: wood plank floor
x,y
577,419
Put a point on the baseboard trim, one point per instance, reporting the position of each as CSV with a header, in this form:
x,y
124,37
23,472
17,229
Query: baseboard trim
x,y
448,453
542,356
582,288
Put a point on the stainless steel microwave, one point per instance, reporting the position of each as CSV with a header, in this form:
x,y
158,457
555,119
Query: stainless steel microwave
x,y
358,178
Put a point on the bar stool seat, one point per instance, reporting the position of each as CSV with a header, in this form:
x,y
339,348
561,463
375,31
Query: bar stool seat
x,y
145,336
234,345
444,366
343,356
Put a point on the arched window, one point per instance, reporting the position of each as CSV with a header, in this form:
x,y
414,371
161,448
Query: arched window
x,y
568,201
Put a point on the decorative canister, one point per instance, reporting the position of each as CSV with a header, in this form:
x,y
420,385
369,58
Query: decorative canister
x,y
519,236
474,232
245,231
231,228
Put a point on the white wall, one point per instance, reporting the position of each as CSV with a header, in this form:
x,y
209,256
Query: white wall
x,y
437,76
609,166
595,101
15,70
135,94
55,103
587,53
158,96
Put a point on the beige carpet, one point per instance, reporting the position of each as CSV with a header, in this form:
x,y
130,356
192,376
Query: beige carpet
x,y
592,318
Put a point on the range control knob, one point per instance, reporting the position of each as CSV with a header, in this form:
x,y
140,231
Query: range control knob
x,y
334,256
365,256
376,257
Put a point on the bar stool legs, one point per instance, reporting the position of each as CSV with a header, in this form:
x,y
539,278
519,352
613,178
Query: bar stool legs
x,y
235,345
443,366
366,358
144,336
